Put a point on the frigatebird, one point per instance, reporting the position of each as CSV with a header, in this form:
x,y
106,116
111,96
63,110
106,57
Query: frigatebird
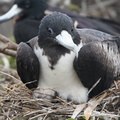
x,y
30,12
66,61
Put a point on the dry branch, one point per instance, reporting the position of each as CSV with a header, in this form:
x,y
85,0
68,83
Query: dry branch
x,y
6,40
8,52
26,106
8,47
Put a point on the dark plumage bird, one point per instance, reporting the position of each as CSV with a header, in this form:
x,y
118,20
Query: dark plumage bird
x,y
64,59
30,12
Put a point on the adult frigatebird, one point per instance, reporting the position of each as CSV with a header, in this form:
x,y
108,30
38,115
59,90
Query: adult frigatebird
x,y
30,12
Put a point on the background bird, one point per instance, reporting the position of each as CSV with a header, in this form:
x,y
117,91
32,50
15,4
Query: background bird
x,y
30,12
62,61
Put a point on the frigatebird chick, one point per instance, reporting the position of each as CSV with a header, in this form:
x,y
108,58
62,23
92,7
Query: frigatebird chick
x,y
30,12
61,60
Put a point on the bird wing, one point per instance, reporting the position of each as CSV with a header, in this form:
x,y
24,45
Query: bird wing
x,y
91,35
98,60
115,25
28,66
104,25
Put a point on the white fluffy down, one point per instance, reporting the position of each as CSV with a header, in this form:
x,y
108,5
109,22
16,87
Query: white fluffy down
x,y
62,78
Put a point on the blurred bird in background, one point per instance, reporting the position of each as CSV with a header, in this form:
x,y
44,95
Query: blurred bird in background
x,y
28,13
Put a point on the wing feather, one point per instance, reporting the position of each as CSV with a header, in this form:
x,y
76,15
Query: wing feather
x,y
28,66
97,60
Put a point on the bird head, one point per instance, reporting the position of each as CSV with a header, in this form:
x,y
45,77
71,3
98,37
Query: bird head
x,y
25,9
58,29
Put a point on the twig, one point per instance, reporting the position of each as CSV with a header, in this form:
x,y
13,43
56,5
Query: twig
x,y
116,86
8,47
94,86
9,75
99,114
8,52
6,40
39,115
34,112
45,117
44,93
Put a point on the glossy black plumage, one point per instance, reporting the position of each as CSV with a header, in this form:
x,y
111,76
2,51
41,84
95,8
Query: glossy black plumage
x,y
31,75
26,26
97,58
24,30
67,60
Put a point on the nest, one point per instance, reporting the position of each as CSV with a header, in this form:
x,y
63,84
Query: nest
x,y
17,103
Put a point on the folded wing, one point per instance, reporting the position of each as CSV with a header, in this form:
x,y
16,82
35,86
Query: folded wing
x,y
28,66
98,60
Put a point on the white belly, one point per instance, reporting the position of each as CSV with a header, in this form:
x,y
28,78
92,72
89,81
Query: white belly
x,y
62,78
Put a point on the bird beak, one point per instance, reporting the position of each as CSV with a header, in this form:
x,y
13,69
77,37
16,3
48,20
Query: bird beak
x,y
65,39
15,10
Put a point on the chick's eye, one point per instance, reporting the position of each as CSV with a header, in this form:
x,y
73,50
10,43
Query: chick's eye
x,y
50,30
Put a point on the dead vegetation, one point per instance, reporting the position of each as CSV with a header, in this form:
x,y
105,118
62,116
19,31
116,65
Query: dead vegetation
x,y
17,103
7,46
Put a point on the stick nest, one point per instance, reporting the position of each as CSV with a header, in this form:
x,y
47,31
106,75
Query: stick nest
x,y
17,103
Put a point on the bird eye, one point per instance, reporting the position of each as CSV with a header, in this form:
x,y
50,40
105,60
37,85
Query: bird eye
x,y
72,30
50,30
27,4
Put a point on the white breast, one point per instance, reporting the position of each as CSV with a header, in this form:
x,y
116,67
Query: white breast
x,y
62,78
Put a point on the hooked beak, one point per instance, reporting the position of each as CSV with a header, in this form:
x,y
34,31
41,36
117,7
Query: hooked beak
x,y
15,10
65,39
